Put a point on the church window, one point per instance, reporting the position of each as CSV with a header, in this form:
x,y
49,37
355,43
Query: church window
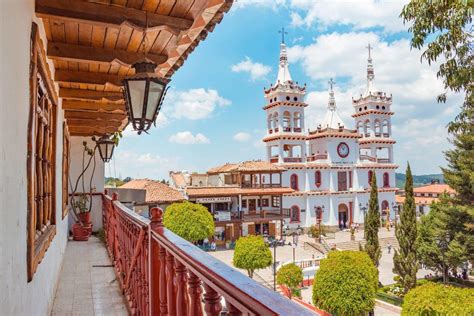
x,y
360,109
365,108
377,107
383,107
295,214
342,181
294,181
287,98
317,178
386,180
295,99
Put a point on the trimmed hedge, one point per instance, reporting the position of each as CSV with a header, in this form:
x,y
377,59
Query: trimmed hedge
x,y
346,283
188,220
391,299
438,299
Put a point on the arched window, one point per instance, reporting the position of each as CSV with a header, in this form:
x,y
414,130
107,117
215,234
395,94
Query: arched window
x,y
359,127
269,121
319,213
294,181
286,121
371,173
297,120
366,128
386,180
377,127
384,208
275,121
295,214
317,178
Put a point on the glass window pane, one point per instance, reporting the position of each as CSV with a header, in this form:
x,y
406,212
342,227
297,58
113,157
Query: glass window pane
x,y
153,97
137,93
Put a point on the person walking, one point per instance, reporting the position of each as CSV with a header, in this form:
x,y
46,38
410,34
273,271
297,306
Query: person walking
x,y
389,248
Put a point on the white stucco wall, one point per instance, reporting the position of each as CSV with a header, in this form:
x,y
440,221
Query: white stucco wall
x,y
97,180
17,296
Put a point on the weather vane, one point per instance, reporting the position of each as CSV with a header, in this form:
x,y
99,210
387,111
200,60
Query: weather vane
x,y
282,32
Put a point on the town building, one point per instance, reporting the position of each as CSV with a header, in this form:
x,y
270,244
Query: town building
x,y
330,167
244,198
425,195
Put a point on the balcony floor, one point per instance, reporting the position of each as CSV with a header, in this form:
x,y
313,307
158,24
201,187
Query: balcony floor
x,y
87,284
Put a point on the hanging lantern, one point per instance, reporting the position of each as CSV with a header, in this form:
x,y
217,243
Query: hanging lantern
x,y
144,94
106,148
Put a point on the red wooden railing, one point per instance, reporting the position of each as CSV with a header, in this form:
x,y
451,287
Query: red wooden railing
x,y
317,157
162,274
367,157
274,159
292,159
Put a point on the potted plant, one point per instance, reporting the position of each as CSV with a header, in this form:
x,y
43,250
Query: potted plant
x,y
81,203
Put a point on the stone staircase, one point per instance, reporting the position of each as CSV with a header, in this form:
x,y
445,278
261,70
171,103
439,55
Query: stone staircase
x,y
354,244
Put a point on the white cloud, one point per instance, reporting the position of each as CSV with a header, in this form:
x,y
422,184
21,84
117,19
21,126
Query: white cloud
x,y
193,104
256,70
187,137
361,14
242,137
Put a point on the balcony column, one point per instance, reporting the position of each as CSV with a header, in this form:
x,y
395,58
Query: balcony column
x,y
390,154
373,151
269,152
280,151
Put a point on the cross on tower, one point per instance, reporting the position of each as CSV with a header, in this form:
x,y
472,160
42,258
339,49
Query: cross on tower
x,y
369,48
282,32
331,83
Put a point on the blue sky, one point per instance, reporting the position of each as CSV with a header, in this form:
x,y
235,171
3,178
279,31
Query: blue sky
x,y
213,111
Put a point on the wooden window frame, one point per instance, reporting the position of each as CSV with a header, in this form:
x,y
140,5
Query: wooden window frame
x,y
275,201
39,240
295,185
386,180
318,178
65,168
292,209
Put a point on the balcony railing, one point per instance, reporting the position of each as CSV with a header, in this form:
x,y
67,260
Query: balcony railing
x,y
292,159
270,131
297,129
386,135
383,160
260,186
317,157
162,274
367,157
274,159
287,129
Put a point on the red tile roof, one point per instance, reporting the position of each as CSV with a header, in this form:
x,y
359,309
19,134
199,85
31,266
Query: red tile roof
x,y
156,192
434,188
254,165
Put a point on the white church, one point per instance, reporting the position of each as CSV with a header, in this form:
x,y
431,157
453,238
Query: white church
x,y
330,168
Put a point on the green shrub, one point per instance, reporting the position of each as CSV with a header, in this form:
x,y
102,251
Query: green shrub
x,y
251,254
191,221
314,231
438,299
291,276
389,298
346,283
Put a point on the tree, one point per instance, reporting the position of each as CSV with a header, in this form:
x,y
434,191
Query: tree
x,y
371,229
444,30
405,259
290,275
191,221
445,240
346,283
438,299
251,253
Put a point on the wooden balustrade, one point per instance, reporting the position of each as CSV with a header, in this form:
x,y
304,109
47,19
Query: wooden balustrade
x,y
292,159
162,274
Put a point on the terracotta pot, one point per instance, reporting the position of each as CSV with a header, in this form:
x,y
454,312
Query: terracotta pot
x,y
85,217
89,227
80,233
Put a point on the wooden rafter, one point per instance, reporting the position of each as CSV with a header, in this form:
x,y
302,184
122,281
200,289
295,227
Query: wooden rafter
x,y
92,106
91,130
107,15
82,94
93,115
80,53
83,77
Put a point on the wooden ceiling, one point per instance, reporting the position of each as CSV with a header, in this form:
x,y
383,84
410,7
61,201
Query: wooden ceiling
x,y
94,43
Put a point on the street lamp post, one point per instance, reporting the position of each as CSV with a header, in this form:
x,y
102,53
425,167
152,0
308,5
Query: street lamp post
x,y
364,209
294,245
319,213
274,264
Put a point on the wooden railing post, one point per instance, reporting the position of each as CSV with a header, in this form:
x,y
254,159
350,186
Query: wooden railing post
x,y
195,291
181,295
212,301
156,224
232,310
170,290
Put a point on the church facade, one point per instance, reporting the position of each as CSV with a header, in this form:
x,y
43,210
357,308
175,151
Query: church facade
x,y
330,168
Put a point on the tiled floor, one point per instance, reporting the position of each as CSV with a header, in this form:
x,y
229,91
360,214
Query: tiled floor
x,y
87,284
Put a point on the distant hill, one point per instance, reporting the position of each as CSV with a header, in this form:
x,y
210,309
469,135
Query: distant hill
x,y
418,180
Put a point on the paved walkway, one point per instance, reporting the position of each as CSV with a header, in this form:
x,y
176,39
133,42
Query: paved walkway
x,y
87,284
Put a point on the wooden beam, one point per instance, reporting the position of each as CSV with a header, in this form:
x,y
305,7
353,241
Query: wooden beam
x,y
89,115
83,77
109,15
82,94
92,106
91,130
80,53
